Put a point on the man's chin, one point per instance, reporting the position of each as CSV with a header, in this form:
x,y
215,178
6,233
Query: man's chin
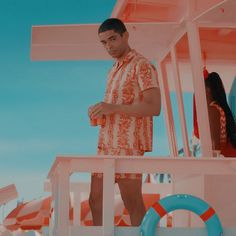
x,y
114,54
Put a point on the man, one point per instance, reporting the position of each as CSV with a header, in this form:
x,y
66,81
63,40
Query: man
x,y
132,98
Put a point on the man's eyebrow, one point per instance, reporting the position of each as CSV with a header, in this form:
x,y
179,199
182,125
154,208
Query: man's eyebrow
x,y
112,36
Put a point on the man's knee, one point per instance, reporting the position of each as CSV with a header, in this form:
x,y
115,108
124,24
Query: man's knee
x,y
95,198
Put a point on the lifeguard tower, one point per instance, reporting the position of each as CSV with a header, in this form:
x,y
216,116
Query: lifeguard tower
x,y
181,36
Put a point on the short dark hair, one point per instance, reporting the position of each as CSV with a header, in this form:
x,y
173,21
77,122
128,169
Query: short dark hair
x,y
113,24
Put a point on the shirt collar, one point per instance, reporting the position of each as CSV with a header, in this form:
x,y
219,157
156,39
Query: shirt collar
x,y
126,59
129,56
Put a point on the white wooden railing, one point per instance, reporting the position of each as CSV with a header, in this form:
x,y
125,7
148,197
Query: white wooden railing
x,y
63,167
79,192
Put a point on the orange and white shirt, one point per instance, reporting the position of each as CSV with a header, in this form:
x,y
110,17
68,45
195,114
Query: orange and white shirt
x,y
126,82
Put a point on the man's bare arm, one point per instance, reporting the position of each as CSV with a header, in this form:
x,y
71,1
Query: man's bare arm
x,y
149,106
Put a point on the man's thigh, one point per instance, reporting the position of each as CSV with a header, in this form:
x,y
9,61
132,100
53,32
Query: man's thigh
x,y
130,189
96,185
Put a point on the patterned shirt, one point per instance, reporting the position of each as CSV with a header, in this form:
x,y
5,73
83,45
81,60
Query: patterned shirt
x,y
226,147
126,82
223,131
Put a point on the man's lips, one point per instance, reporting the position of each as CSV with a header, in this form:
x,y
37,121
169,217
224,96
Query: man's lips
x,y
112,52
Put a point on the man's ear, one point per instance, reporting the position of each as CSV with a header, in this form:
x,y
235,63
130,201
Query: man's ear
x,y
126,35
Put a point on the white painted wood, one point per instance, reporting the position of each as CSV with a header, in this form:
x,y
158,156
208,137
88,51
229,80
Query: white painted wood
x,y
77,207
169,120
179,95
62,200
108,197
81,187
54,218
8,193
86,231
134,231
59,177
199,88
147,164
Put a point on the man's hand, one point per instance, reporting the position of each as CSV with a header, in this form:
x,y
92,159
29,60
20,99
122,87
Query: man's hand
x,y
100,109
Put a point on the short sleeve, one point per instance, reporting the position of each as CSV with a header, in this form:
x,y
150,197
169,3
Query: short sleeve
x,y
147,76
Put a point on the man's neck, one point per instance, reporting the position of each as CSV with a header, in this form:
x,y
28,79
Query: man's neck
x,y
120,59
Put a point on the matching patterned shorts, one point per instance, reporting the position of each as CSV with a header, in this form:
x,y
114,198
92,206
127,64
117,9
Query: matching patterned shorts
x,y
120,152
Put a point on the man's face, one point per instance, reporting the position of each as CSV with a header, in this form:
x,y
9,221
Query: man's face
x,y
114,43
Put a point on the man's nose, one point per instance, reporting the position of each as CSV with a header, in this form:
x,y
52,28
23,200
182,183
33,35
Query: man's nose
x,y
109,46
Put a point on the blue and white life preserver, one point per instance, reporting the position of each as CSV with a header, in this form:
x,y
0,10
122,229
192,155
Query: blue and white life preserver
x,y
184,202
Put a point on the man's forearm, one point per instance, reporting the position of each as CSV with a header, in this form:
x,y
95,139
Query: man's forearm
x,y
138,110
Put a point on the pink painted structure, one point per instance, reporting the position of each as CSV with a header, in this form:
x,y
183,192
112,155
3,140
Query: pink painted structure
x,y
8,193
177,34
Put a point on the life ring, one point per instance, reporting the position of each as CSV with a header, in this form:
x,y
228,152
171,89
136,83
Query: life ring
x,y
184,202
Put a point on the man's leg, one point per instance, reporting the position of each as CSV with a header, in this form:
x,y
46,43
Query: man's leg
x,y
131,193
95,200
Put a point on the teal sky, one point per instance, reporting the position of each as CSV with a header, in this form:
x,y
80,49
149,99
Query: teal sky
x,y
43,105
